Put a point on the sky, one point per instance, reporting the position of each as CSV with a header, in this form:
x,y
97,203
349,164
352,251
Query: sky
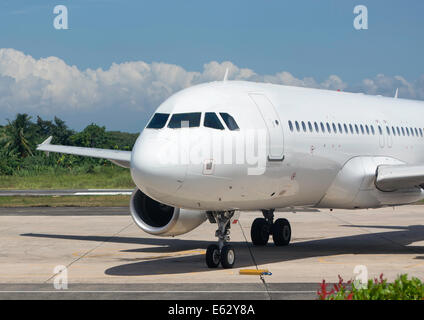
x,y
119,59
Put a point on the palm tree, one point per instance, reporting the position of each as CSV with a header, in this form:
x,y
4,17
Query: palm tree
x,y
2,136
16,133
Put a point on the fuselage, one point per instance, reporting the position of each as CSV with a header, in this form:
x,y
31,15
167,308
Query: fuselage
x,y
287,148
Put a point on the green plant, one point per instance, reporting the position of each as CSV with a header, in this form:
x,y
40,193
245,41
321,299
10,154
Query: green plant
x,y
19,158
378,289
18,134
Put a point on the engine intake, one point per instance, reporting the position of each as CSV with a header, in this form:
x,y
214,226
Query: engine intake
x,y
160,219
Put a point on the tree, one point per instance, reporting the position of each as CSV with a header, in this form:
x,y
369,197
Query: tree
x,y
3,136
61,133
122,140
58,129
43,127
18,135
92,136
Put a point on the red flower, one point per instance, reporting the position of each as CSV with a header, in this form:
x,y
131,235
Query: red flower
x,y
323,293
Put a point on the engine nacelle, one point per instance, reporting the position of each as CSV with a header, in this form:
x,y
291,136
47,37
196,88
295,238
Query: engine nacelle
x,y
162,220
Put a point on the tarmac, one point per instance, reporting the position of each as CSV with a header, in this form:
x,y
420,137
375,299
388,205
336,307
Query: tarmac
x,y
107,257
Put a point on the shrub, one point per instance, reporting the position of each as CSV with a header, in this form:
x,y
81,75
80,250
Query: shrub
x,y
378,289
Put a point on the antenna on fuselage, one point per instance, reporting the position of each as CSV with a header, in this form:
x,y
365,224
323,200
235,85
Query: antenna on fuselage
x,y
226,75
397,93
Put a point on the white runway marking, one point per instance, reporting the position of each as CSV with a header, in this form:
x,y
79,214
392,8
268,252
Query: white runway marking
x,y
102,193
77,192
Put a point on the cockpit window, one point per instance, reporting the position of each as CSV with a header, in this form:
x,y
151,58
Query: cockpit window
x,y
229,121
158,121
212,121
185,120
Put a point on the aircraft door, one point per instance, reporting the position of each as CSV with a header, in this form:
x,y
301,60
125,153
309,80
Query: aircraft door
x,y
386,138
381,135
273,124
389,136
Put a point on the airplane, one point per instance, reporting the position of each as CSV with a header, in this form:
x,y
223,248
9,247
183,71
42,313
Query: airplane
x,y
214,150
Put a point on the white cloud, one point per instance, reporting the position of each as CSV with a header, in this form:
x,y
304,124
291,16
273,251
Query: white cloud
x,y
49,86
387,85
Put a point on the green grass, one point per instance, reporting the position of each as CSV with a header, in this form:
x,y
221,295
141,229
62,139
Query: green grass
x,y
107,177
65,201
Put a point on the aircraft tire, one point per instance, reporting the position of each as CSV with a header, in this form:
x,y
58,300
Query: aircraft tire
x,y
228,257
259,232
213,256
281,232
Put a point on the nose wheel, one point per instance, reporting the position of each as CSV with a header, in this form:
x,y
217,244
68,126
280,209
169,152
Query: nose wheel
x,y
221,253
262,228
226,256
213,256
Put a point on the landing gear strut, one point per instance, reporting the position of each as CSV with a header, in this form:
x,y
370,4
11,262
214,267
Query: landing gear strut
x,y
262,228
223,252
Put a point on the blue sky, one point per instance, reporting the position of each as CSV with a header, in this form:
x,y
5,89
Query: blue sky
x,y
306,38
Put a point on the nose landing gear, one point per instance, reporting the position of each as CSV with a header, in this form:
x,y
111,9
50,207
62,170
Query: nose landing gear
x,y
262,228
223,252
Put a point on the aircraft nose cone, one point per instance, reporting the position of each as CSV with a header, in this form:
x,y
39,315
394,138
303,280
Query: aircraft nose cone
x,y
154,166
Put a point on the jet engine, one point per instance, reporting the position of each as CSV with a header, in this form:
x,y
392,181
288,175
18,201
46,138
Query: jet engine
x,y
162,220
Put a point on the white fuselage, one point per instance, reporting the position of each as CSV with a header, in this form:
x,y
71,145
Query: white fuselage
x,y
301,167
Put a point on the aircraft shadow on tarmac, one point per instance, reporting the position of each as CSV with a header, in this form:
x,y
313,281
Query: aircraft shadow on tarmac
x,y
390,242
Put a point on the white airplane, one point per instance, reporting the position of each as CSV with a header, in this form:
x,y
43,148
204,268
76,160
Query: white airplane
x,y
214,150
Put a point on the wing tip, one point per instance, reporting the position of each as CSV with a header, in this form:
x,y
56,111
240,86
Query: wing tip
x,y
45,143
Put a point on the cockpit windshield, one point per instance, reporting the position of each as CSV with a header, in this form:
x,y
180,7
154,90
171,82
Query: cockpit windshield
x,y
158,121
212,121
185,120
192,120
229,121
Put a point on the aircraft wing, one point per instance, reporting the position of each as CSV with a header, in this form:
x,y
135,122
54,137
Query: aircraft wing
x,y
390,178
120,158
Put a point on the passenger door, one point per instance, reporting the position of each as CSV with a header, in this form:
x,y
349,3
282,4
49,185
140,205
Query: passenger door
x,y
381,134
389,135
273,125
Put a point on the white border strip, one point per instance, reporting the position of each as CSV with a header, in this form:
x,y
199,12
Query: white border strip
x,y
101,194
